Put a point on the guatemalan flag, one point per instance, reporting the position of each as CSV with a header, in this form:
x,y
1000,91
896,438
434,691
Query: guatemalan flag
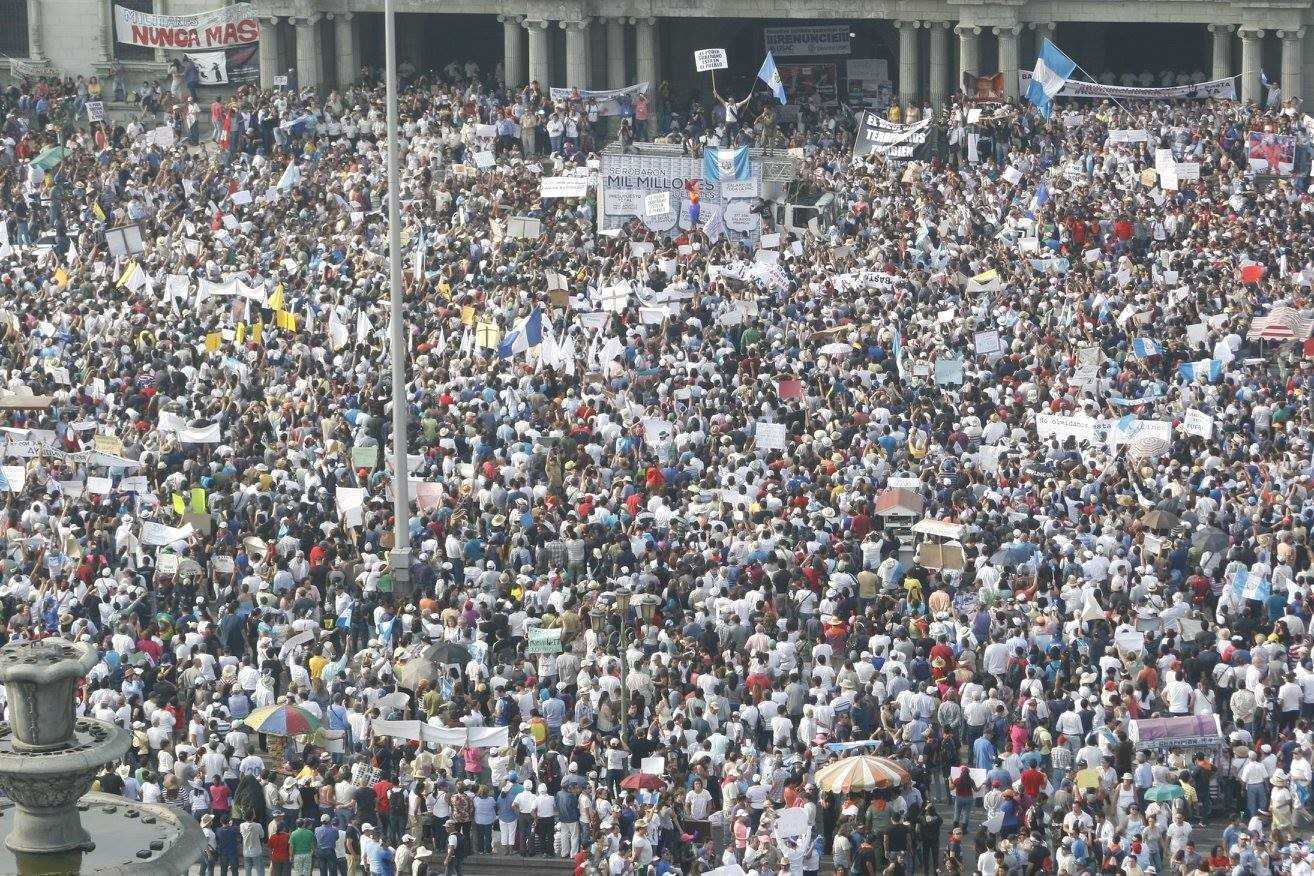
x,y
1053,70
771,76
1250,586
719,164
527,333
1144,348
1210,369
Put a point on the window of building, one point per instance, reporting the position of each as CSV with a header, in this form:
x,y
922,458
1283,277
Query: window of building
x,y
125,51
13,28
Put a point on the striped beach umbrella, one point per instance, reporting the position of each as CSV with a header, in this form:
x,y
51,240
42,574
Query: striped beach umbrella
x,y
282,720
863,772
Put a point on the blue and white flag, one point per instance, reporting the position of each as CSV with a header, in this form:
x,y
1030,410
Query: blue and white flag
x,y
527,333
1039,199
1146,347
771,76
719,164
1053,70
1248,586
1210,369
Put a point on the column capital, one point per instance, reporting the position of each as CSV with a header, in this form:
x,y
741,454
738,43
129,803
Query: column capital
x,y
1011,30
306,20
271,20
535,24
1252,33
964,30
511,19
1291,35
1222,28
1042,25
910,25
581,24
649,21
346,16
934,25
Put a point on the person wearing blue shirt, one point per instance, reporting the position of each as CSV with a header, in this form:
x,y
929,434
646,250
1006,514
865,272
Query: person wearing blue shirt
x,y
326,843
226,846
983,753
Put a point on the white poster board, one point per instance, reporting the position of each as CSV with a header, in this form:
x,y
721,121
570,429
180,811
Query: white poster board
x,y
710,59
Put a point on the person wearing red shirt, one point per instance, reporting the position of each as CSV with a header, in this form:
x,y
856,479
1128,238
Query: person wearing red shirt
x,y
280,855
1033,781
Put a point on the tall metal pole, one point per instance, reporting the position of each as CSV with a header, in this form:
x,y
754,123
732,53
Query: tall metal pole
x,y
400,556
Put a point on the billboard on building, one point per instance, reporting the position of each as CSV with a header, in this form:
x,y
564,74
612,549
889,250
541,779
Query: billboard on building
x,y
808,40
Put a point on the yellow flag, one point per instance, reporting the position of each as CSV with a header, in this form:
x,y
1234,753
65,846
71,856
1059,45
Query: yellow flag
x,y
127,274
198,500
241,333
257,331
96,211
179,506
61,276
286,319
212,342
275,301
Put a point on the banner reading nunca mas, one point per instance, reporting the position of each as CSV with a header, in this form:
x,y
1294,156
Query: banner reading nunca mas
x,y
231,26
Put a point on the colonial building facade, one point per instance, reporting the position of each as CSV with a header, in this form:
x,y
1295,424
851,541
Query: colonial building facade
x,y
926,44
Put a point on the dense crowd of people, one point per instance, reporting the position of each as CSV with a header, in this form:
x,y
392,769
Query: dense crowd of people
x,y
632,636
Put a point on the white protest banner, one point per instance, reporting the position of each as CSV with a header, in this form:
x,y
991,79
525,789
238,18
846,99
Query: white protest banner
x,y
484,159
1217,89
791,822
229,26
351,505
99,486
1060,427
609,102
212,67
769,241
739,188
154,534
95,110
543,641
710,59
14,477
1127,136
1012,175
563,187
1198,423
1197,334
653,765
200,435
770,436
987,343
657,203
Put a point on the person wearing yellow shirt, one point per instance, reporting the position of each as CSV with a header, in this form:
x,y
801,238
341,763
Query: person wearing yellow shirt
x,y
316,666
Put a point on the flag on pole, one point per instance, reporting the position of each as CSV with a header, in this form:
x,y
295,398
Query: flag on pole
x,y
1053,70
1144,348
527,333
771,76
1272,91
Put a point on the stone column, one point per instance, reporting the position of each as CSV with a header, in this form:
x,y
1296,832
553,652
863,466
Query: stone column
x,y
616,52
1293,54
969,51
1222,65
344,33
34,46
310,65
939,85
538,53
907,62
269,66
1252,59
645,58
1044,31
1008,57
577,53
513,50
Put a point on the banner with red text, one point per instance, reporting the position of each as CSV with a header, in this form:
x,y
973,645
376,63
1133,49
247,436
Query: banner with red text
x,y
230,26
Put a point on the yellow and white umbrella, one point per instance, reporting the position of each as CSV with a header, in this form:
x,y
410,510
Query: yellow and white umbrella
x,y
862,772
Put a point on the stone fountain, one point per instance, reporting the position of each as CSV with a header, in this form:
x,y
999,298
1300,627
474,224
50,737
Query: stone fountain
x,y
48,760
